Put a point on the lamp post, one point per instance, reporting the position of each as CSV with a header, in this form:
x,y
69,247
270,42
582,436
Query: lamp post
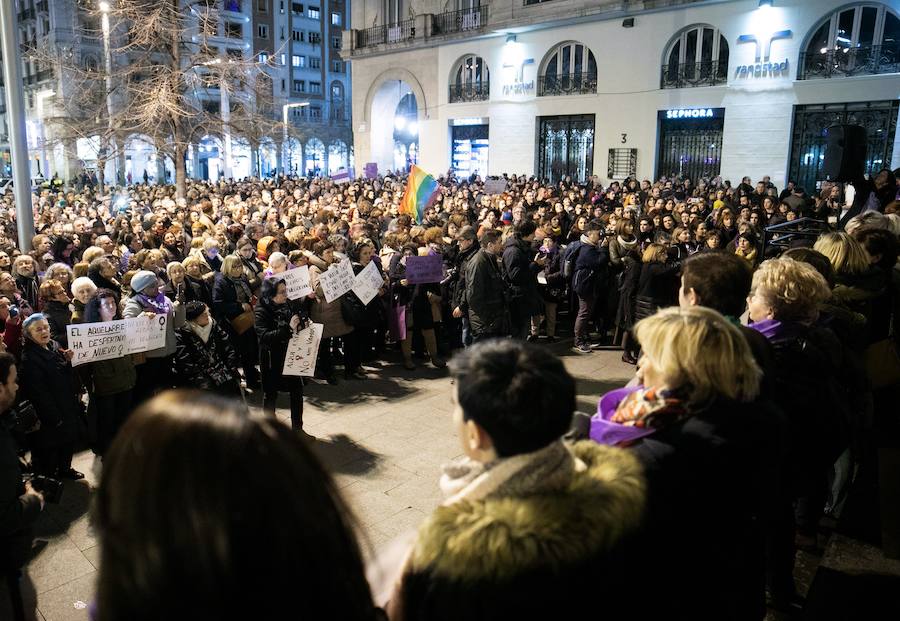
x,y
104,7
286,167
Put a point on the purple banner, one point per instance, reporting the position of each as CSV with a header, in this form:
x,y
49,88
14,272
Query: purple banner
x,y
424,269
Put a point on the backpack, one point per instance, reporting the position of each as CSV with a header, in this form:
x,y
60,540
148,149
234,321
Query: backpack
x,y
570,260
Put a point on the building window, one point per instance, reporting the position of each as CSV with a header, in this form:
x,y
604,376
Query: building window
x,y
282,84
283,60
234,30
392,11
336,43
296,8
315,87
338,66
263,57
696,56
262,31
299,86
315,63
335,19
530,2
262,6
856,40
337,90
315,112
281,33
569,69
690,146
281,9
315,38
233,5
297,35
470,80
234,54
313,12
295,61
566,147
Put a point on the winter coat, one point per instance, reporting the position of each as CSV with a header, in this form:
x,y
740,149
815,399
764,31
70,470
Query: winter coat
x,y
58,316
17,512
414,296
30,289
225,304
327,313
521,276
555,289
175,320
868,294
77,311
458,283
532,556
711,480
486,295
658,286
206,366
199,290
273,329
620,248
49,383
110,377
591,270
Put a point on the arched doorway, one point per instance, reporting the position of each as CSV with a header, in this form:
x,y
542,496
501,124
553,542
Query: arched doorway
x,y
337,156
394,121
268,158
240,157
210,160
315,158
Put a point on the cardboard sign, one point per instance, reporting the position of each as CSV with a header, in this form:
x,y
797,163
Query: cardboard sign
x,y
104,340
367,283
337,281
495,186
297,281
425,269
303,348
371,170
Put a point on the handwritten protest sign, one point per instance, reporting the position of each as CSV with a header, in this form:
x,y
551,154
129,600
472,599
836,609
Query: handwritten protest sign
x,y
337,281
424,269
104,340
144,333
302,351
367,283
91,342
495,186
297,281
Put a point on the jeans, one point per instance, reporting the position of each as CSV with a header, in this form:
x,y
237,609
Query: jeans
x,y
583,319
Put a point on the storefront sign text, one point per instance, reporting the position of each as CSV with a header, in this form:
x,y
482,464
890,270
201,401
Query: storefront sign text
x,y
762,67
692,113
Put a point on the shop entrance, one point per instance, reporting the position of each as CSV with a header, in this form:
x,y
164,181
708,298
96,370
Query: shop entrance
x,y
566,147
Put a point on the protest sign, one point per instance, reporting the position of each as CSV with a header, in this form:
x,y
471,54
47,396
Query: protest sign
x,y
91,342
367,283
424,269
143,333
371,170
337,281
104,340
302,351
495,186
297,281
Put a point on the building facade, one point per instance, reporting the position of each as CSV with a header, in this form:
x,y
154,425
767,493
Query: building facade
x,y
695,88
303,80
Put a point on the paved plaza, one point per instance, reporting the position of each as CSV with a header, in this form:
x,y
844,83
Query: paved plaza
x,y
384,440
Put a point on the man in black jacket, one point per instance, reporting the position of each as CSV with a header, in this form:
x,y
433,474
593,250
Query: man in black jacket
x,y
486,290
20,506
521,269
468,247
590,263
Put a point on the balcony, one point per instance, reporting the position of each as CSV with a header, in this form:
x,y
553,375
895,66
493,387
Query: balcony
x,y
398,32
460,93
571,84
690,75
847,62
459,21
41,7
36,78
26,14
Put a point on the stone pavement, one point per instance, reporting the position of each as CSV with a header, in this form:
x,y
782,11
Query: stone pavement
x,y
384,440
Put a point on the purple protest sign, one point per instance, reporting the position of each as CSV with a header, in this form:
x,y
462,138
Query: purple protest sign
x,y
424,269
371,170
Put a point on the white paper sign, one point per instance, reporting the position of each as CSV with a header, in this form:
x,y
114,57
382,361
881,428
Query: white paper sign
x,y
144,333
303,348
91,342
337,281
297,281
104,340
367,283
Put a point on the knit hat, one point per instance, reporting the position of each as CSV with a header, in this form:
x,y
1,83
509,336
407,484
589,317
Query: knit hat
x,y
142,280
194,309
31,319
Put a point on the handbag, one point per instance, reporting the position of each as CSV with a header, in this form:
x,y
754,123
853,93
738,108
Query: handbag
x,y
354,311
883,362
242,322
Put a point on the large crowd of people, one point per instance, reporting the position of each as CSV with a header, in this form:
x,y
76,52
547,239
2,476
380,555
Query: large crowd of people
x,y
704,475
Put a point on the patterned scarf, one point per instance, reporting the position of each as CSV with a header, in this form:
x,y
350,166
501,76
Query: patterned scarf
x,y
159,304
650,408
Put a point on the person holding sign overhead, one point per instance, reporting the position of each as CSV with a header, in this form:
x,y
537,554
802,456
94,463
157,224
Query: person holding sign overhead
x,y
276,319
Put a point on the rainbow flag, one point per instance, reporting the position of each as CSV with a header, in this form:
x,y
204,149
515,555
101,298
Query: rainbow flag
x,y
421,188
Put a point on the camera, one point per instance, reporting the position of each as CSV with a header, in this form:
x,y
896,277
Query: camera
x,y
51,489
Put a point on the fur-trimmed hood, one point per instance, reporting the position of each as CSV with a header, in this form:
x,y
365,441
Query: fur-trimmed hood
x,y
500,536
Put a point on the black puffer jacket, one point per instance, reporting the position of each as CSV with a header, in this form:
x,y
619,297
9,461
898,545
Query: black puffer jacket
x,y
486,295
521,274
206,366
273,328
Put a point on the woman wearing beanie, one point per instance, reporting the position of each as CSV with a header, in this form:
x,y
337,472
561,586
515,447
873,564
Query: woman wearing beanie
x,y
276,319
204,356
110,382
155,373
48,381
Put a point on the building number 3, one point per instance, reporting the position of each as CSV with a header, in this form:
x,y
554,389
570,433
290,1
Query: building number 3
x,y
624,138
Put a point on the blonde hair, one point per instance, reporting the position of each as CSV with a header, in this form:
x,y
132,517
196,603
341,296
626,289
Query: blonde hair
x,y
94,252
696,349
231,262
793,289
654,253
847,256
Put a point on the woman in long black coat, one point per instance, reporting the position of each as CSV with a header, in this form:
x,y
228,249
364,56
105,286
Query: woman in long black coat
x,y
276,319
231,297
49,382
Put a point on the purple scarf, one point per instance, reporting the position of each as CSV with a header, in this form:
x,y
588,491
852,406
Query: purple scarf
x,y
159,305
769,328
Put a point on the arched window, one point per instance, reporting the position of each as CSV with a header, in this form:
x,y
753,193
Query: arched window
x,y
337,90
569,69
696,56
470,80
856,40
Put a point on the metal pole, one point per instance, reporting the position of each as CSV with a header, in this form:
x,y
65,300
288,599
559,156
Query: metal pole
x,y
15,120
285,150
107,62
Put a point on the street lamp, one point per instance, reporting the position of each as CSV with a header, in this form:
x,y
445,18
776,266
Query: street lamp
x,y
104,7
285,149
